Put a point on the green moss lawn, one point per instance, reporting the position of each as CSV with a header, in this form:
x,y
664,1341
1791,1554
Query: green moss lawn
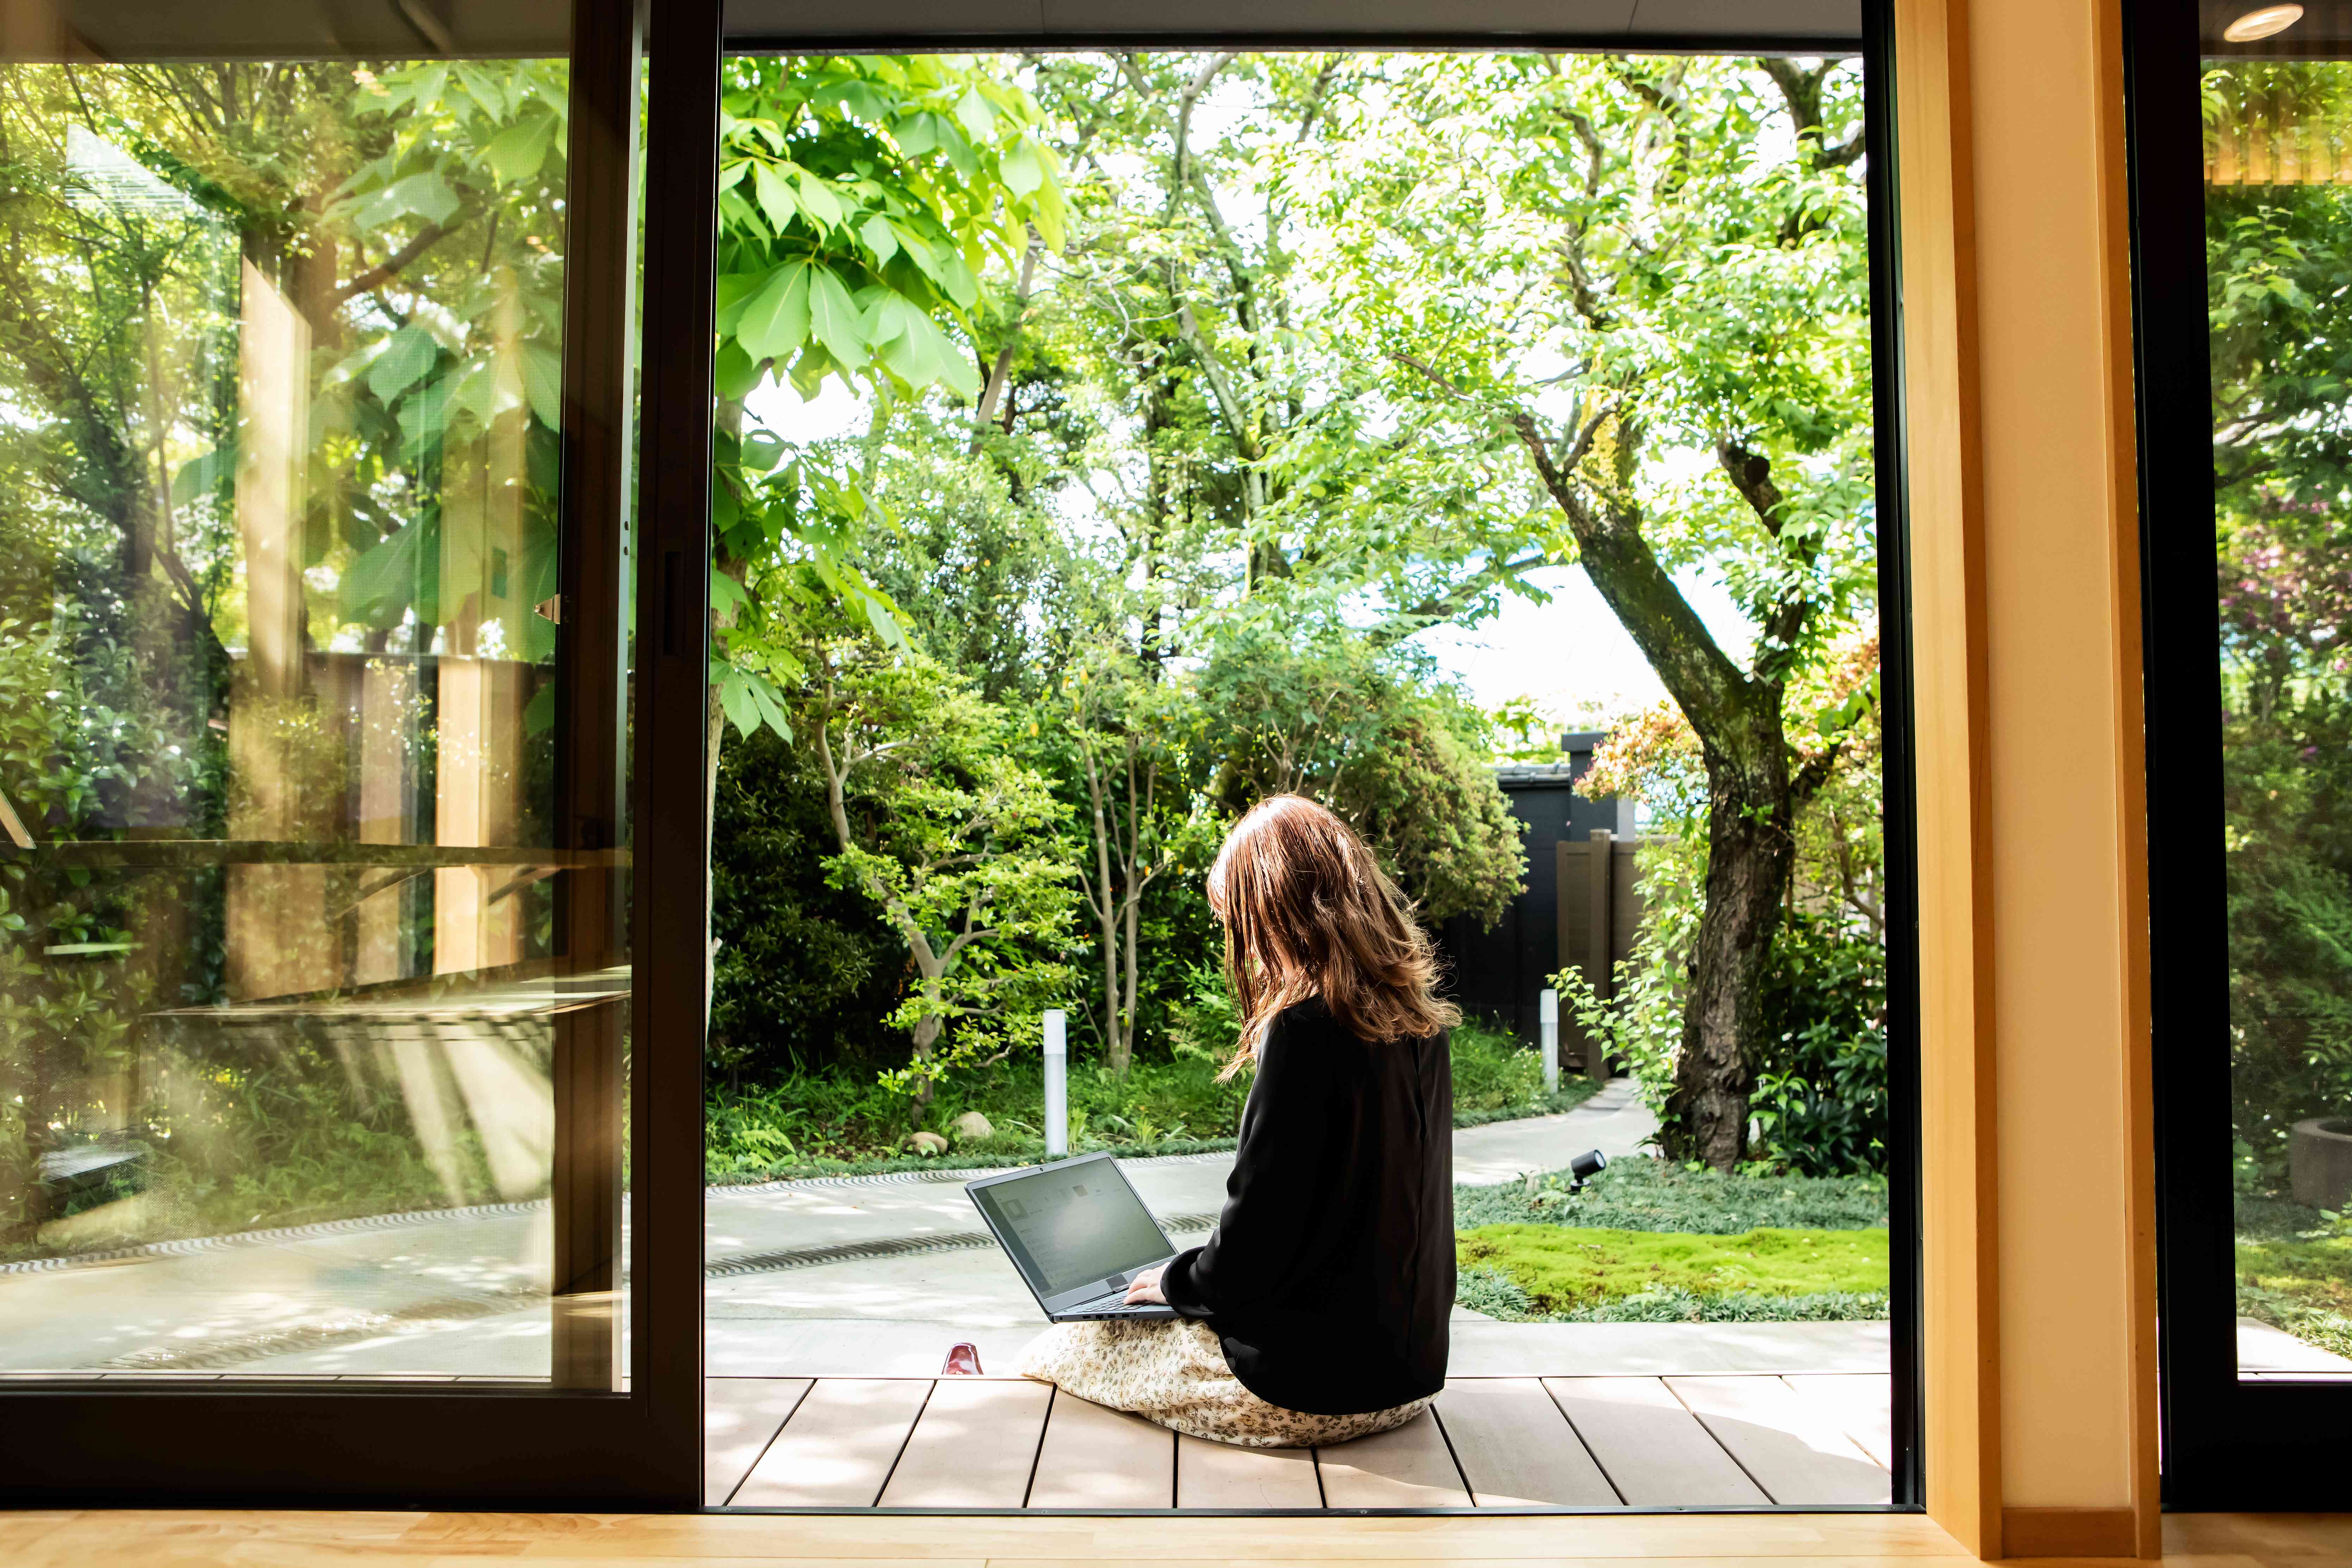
x,y
1652,1242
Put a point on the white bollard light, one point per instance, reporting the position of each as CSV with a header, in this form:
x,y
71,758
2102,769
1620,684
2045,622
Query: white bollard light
x,y
1547,1018
1057,1082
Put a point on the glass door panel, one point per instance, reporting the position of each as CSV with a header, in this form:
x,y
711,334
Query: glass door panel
x,y
312,984
2242,150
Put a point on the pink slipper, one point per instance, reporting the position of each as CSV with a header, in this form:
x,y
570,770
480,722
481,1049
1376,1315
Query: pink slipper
x,y
963,1361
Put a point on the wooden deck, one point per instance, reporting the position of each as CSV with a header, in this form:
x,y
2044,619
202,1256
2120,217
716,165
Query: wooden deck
x,y
1751,1441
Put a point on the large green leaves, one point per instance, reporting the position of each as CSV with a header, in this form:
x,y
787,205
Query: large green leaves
x,y
850,182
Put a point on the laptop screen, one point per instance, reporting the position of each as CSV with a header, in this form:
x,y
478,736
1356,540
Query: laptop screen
x,y
1069,1225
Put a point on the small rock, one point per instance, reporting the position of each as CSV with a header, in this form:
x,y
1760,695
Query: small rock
x,y
928,1144
971,1126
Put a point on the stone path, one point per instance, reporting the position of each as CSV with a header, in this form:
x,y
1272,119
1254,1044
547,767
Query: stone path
x,y
457,1295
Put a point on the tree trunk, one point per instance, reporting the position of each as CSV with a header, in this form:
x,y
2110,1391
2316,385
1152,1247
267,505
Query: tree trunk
x,y
1750,857
1125,1022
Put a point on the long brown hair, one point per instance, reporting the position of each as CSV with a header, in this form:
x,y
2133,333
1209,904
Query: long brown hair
x,y
1308,912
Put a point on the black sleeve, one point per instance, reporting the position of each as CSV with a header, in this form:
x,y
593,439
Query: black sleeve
x,y
1265,1237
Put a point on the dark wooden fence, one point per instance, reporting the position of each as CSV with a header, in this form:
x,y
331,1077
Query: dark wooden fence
x,y
1498,973
1599,901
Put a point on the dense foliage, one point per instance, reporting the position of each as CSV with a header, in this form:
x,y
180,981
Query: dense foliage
x,y
1311,354
2276,256
802,1123
1818,1094
1182,393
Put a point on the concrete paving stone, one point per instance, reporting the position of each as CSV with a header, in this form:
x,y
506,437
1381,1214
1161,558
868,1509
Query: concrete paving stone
x,y
827,1317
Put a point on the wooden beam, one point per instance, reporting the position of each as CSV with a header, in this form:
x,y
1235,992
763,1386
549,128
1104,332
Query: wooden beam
x,y
1960,1303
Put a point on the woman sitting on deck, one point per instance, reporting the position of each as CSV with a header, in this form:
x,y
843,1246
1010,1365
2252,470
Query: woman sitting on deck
x,y
1316,1309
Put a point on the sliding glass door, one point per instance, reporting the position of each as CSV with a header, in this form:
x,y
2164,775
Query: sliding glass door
x,y
321,1000
2242,151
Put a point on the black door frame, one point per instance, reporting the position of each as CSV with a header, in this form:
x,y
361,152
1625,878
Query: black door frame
x,y
2228,1442
120,1441
1875,50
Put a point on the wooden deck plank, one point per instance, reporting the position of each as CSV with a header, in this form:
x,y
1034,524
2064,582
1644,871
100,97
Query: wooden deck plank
x,y
974,1446
837,1449
1860,1402
1794,1451
1407,1468
1654,1451
740,1415
1220,1475
1514,1447
1098,1458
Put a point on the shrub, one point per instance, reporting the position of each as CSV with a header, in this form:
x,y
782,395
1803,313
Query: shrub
x,y
1820,1102
1652,1194
1819,1097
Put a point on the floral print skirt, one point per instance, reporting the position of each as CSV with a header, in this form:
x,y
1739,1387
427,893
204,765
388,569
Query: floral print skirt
x,y
1173,1371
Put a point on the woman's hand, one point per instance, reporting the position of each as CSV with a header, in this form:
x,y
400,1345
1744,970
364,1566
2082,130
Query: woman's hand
x,y
1145,1288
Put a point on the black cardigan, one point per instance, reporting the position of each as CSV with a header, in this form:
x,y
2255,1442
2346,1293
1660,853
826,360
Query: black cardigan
x,y
1329,1276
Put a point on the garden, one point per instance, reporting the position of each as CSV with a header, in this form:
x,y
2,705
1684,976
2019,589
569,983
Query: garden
x,y
1268,368
1105,441
2275,256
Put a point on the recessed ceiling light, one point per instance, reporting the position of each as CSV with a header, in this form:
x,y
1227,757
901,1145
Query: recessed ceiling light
x,y
2267,22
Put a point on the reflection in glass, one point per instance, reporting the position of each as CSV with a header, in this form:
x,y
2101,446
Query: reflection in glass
x,y
2279,254
279,944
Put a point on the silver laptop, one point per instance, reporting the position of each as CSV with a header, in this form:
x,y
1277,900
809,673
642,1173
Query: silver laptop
x,y
1077,1233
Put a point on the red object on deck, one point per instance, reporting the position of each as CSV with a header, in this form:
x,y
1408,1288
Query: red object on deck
x,y
963,1361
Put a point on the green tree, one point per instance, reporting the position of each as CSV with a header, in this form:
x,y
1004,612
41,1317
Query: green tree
x,y
1377,738
2276,255
1137,745
1603,273
958,850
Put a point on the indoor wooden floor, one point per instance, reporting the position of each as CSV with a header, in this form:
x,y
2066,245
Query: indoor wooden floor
x,y
1490,1442
247,1539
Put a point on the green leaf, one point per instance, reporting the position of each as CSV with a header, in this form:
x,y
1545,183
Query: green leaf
x,y
914,348
203,476
517,153
542,384
833,319
960,284
736,372
727,595
771,712
734,292
426,196
404,358
1020,170
761,452
974,114
775,196
776,320
876,232
817,199
916,134
926,259
735,700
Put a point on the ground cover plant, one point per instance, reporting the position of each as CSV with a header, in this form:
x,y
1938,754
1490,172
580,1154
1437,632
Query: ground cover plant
x,y
2295,1269
1755,1247
1562,1267
834,1123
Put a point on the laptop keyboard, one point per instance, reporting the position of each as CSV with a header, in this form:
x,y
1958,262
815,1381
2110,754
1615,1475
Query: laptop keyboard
x,y
1116,1302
